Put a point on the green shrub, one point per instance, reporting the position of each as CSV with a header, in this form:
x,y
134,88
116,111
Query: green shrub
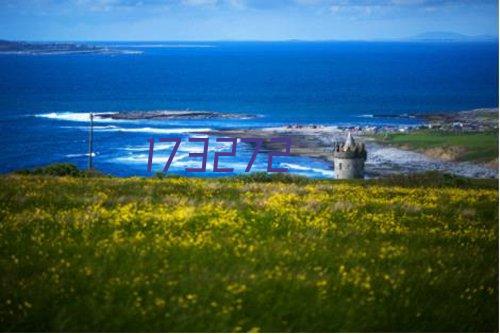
x,y
58,169
61,169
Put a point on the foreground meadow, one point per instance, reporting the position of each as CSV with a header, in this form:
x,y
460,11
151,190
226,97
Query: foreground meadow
x,y
176,254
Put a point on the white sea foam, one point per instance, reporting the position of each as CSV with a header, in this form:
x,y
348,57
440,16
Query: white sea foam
x,y
153,130
166,46
145,148
79,155
143,158
307,170
185,146
131,52
74,116
180,161
114,128
331,129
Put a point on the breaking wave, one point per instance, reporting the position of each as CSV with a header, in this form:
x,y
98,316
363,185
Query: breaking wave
x,y
299,169
73,116
114,128
79,155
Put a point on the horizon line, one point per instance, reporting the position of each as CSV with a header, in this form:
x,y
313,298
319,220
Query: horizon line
x,y
489,38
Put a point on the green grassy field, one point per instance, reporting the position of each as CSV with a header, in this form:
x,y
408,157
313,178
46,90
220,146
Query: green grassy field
x,y
247,254
482,147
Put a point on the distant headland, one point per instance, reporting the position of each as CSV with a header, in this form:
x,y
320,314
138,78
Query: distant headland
x,y
172,114
50,48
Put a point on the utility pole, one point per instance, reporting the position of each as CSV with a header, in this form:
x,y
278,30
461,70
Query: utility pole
x,y
91,139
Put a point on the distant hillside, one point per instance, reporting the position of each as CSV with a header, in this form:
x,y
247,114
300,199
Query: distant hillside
x,y
21,47
452,37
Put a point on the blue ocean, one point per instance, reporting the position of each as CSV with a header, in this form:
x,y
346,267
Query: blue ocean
x,y
45,100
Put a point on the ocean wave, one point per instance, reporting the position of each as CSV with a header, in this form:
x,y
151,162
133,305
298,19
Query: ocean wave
x,y
153,130
145,148
131,52
400,116
114,128
74,116
180,161
79,155
143,158
307,170
185,146
161,46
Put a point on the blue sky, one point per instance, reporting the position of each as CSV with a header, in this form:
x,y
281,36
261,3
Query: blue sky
x,y
242,19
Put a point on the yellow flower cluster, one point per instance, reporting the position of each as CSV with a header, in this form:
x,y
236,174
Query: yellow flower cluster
x,y
233,255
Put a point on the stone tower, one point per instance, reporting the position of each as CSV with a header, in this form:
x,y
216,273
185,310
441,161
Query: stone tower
x,y
349,159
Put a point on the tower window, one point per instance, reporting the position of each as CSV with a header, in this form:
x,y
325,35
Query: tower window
x,y
340,166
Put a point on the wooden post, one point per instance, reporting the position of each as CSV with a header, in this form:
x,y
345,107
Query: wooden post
x,y
91,139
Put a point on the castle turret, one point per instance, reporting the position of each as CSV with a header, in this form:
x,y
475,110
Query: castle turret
x,y
349,159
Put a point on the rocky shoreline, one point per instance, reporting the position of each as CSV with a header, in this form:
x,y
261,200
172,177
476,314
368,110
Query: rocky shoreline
x,y
316,141
476,120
